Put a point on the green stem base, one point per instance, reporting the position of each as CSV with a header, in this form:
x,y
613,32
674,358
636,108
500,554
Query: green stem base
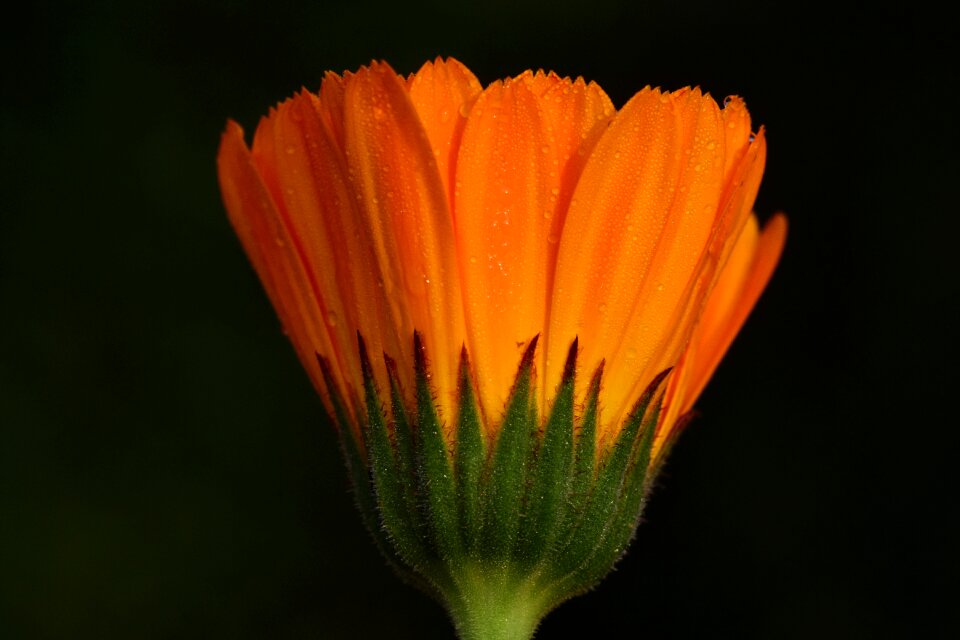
x,y
492,604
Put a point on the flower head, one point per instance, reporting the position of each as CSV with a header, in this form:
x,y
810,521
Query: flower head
x,y
501,226
484,217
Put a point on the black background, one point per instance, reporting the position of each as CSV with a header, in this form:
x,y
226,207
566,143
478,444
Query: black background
x,y
164,468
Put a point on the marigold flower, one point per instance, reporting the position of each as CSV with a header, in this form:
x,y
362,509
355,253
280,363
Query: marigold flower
x,y
539,283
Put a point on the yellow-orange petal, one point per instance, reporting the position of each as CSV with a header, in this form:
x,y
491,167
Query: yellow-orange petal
x,y
443,92
516,168
401,198
272,250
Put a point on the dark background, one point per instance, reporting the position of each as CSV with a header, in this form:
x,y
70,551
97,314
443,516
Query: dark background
x,y
165,471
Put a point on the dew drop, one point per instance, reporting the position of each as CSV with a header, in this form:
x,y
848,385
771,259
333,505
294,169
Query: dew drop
x,y
631,354
332,319
290,150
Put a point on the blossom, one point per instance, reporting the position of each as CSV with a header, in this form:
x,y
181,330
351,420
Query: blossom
x,y
525,224
486,217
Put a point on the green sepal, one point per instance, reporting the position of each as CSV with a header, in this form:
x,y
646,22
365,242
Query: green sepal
x,y
363,488
504,482
469,458
397,519
404,449
433,464
601,504
621,528
550,474
584,463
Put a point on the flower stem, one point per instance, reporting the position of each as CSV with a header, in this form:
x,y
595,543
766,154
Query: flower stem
x,y
492,604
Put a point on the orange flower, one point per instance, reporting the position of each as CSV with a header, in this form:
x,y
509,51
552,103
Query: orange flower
x,y
482,218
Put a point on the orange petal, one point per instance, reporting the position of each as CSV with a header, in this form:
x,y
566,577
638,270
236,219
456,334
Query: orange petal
x,y
319,209
443,92
402,201
736,123
330,105
737,188
740,284
273,251
660,320
639,221
516,169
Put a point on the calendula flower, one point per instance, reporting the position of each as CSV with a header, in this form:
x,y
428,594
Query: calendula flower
x,y
509,299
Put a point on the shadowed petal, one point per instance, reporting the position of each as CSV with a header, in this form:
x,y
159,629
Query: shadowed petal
x,y
272,249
